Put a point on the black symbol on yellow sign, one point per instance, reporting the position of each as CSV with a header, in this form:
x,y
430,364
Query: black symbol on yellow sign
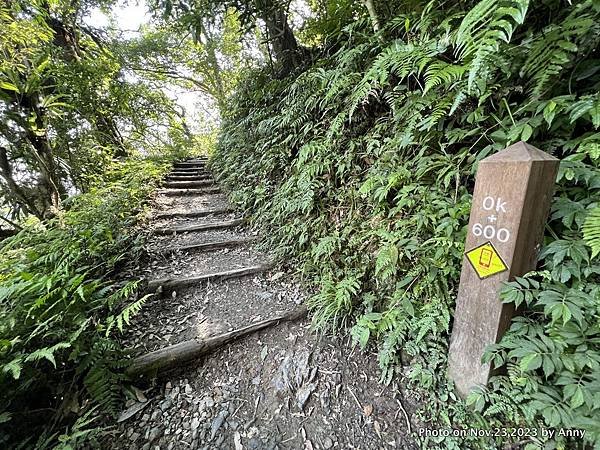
x,y
486,261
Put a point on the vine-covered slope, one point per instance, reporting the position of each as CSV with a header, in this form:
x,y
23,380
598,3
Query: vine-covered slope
x,y
361,168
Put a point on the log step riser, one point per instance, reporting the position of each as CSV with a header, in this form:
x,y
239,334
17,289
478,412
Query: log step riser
x,y
189,166
209,246
193,214
198,228
187,184
176,355
191,192
170,284
189,177
189,173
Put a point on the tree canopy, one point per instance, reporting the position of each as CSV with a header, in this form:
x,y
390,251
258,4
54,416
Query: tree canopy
x,y
349,132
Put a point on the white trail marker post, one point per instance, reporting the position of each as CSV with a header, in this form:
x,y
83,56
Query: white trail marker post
x,y
513,192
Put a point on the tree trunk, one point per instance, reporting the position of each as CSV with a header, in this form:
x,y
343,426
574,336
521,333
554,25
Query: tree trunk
x,y
14,189
282,40
373,15
51,180
110,134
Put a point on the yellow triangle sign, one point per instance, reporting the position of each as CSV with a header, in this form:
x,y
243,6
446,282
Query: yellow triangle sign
x,y
485,260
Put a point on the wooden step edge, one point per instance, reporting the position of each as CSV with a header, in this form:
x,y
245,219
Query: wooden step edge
x,y
190,169
201,213
186,192
207,177
189,165
190,174
165,285
210,246
187,184
200,227
191,177
177,355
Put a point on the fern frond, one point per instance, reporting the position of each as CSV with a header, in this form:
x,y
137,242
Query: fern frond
x,y
482,30
440,72
591,231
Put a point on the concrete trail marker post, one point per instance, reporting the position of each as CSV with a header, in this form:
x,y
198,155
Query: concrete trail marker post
x,y
513,192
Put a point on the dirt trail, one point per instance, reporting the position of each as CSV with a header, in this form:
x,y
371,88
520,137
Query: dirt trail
x,y
281,388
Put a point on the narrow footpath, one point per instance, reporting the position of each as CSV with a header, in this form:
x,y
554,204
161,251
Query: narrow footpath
x,y
283,387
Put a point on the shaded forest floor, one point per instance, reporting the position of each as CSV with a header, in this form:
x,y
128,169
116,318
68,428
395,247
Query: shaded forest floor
x,y
281,388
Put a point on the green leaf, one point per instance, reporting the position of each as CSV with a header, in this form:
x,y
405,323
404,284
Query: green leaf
x,y
8,86
577,398
531,362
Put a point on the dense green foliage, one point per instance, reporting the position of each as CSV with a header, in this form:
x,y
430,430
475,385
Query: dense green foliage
x,y
61,300
75,120
361,167
69,104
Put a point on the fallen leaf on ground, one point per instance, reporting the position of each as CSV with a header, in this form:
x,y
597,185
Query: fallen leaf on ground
x,y
131,411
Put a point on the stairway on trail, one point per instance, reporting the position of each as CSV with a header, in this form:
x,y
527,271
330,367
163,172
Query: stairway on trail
x,y
280,388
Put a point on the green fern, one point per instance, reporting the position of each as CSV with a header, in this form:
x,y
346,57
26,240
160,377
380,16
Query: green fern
x,y
125,315
591,231
483,29
103,369
441,73
386,263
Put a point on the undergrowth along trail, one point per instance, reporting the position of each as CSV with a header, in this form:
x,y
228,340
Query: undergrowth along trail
x,y
62,300
360,169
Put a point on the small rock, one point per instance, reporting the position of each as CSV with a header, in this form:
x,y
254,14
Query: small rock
x,y
303,394
328,443
188,389
154,433
277,276
166,404
255,443
237,441
217,422
195,423
134,437
156,415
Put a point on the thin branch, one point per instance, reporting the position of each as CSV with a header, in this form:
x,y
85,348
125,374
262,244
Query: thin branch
x,y
11,223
